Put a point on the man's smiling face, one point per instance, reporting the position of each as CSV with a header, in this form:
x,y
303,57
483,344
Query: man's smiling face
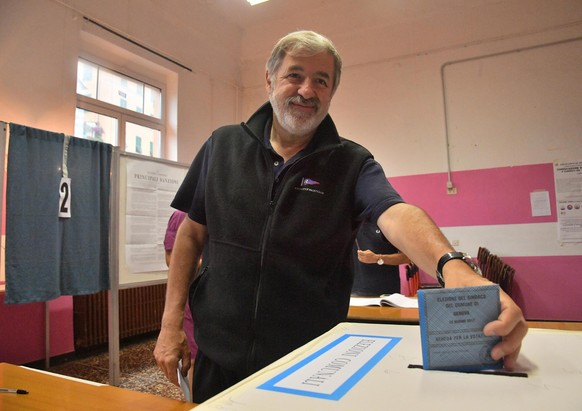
x,y
301,92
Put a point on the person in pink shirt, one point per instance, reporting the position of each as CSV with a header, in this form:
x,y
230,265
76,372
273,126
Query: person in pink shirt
x,y
173,223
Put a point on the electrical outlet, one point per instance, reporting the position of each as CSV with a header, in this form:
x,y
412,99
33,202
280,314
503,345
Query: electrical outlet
x,y
451,189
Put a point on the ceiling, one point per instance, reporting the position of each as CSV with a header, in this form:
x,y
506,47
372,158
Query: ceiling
x,y
352,12
243,14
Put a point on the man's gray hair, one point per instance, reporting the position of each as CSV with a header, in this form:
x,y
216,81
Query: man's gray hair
x,y
304,44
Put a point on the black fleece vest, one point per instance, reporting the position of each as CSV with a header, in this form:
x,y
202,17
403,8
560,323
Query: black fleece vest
x,y
280,265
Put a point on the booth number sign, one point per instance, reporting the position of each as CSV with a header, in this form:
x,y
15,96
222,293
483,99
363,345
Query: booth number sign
x,y
65,198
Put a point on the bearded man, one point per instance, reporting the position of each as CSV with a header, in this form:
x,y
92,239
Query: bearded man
x,y
278,201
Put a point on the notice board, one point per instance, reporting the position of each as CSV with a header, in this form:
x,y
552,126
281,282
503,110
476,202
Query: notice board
x,y
146,189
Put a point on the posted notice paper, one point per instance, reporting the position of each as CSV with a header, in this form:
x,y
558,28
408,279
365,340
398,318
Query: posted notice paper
x,y
568,179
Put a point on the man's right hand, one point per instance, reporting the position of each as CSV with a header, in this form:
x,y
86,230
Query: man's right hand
x,y
171,346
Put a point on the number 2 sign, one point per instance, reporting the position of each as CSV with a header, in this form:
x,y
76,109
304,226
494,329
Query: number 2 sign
x,y
65,198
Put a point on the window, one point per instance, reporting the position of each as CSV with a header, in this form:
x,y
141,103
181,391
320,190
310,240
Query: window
x,y
117,109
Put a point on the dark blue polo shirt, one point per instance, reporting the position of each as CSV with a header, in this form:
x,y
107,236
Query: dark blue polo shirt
x,y
374,194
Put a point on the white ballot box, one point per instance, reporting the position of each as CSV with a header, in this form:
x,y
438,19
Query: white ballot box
x,y
370,367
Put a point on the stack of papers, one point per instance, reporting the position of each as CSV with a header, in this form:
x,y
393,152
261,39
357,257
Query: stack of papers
x,y
184,385
388,300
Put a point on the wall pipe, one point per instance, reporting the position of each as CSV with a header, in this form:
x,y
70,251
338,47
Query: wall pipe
x,y
450,185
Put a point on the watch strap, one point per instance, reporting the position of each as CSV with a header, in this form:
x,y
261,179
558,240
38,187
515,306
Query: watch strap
x,y
454,255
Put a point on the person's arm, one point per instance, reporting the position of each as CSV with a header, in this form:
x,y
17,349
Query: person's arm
x,y
370,257
168,255
413,232
172,343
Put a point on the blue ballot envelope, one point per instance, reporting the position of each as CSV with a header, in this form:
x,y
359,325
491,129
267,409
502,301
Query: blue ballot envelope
x,y
451,328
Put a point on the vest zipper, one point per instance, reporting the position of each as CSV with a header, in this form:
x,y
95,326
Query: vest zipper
x,y
270,207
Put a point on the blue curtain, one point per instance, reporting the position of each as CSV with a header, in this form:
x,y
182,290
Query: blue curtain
x,y
48,256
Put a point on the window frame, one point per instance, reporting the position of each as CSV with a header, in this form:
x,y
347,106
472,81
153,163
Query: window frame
x,y
124,115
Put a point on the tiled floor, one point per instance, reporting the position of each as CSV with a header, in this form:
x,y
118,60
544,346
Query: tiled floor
x,y
138,370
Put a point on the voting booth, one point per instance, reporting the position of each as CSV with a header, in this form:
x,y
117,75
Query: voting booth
x,y
81,218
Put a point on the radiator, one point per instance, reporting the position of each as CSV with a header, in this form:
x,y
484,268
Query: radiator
x,y
140,312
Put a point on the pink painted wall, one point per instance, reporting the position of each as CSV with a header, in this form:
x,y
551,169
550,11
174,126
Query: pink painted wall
x,y
550,290
546,287
485,197
22,330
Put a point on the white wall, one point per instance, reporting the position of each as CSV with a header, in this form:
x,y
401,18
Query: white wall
x,y
37,70
391,96
510,109
40,41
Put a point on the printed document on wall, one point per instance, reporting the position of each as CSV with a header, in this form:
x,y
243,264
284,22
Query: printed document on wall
x,y
150,187
568,181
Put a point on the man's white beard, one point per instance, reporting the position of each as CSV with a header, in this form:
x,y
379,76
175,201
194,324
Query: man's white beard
x,y
294,122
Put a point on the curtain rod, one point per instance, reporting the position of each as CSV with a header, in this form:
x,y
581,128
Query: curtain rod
x,y
136,43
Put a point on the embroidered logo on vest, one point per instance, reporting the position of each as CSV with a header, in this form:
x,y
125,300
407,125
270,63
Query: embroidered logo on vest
x,y
307,184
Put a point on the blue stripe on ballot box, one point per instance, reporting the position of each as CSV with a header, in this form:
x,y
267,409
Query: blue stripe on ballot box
x,y
332,371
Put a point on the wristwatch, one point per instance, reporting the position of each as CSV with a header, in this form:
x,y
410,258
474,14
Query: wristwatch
x,y
380,261
455,255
